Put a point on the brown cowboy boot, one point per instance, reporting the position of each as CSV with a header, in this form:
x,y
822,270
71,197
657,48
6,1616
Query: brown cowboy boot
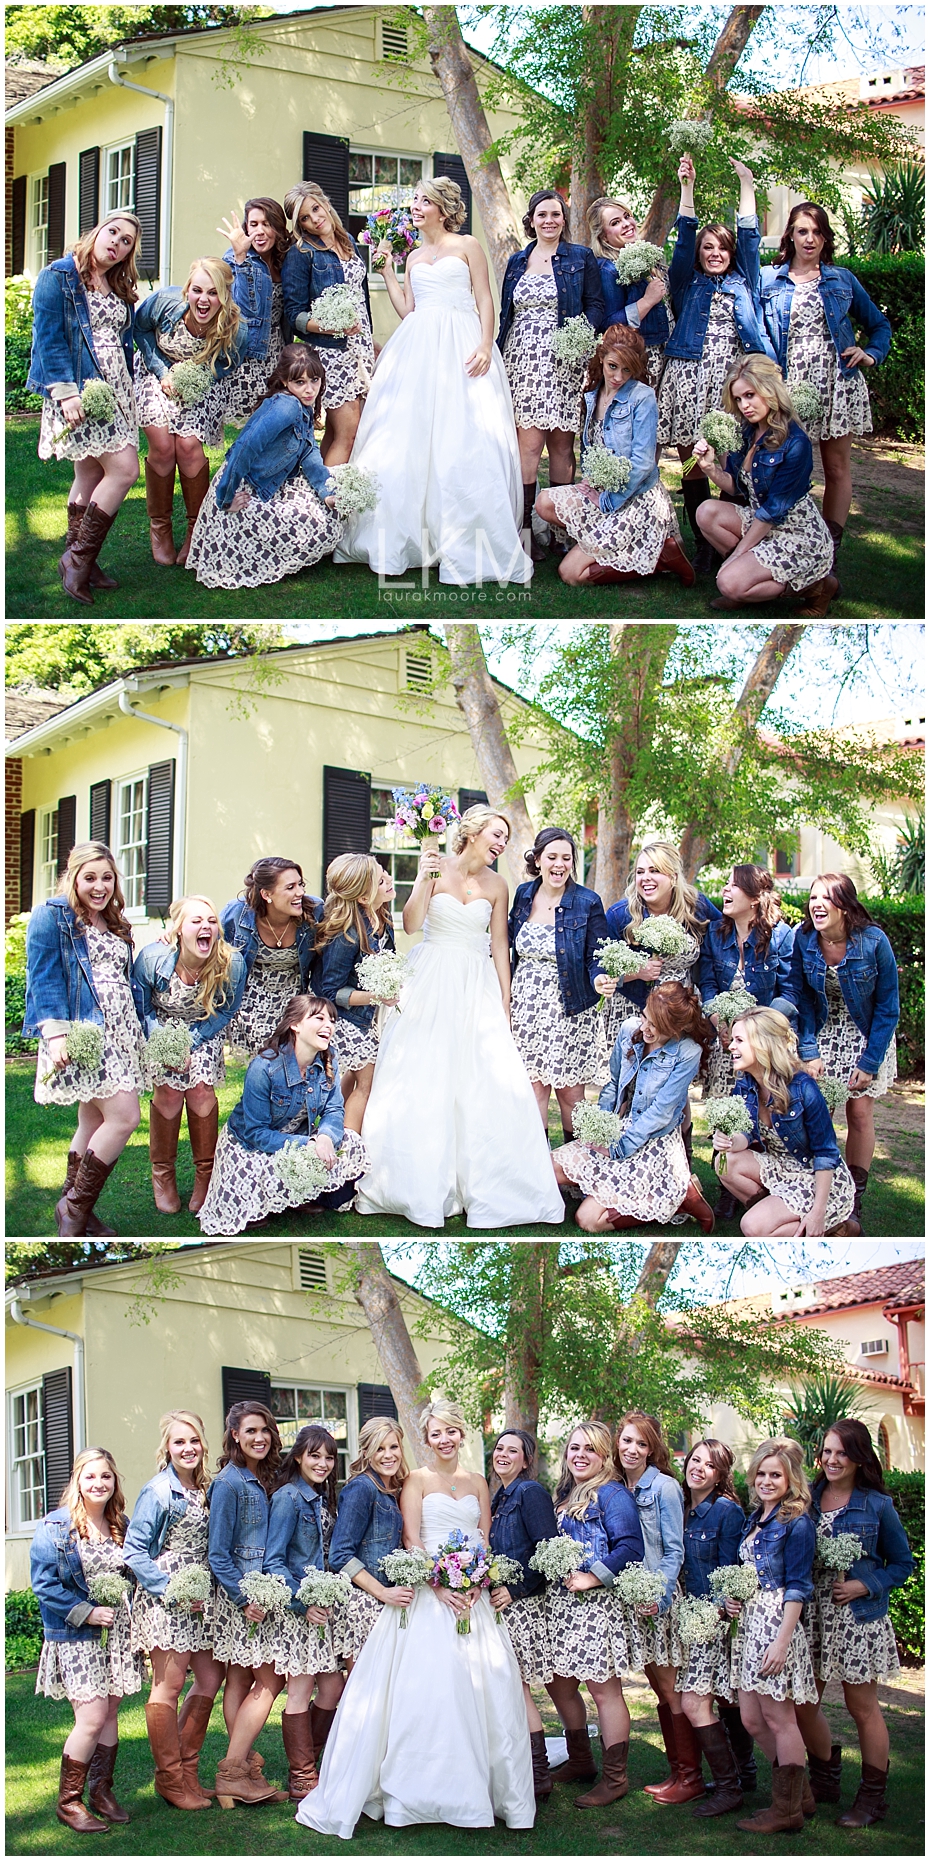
x,y
321,1718
97,577
783,1816
77,1203
298,1749
203,1130
696,1205
666,1719
236,1783
826,1775
870,1805
688,1783
170,1781
673,561
159,502
727,1794
80,558
580,1761
193,1720
100,1785
613,1783
601,572
70,1809
163,1154
194,490
95,1226
542,1776
816,599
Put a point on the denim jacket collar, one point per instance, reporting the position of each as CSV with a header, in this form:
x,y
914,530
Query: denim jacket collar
x,y
292,1072
645,1481
306,1491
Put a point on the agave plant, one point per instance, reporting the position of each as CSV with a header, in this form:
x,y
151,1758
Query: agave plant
x,y
908,861
893,210
817,1404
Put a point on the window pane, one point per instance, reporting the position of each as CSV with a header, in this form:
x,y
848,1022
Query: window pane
x,y
382,804
282,1404
359,170
410,172
385,171
309,1405
334,1413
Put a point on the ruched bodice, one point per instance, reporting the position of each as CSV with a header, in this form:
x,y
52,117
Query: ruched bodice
x,y
448,921
443,285
442,1514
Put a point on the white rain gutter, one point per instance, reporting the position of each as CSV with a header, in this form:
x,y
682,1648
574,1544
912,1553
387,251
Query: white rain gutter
x,y
19,1318
167,158
180,794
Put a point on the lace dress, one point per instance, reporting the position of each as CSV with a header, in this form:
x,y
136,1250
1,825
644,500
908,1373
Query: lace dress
x,y
546,392
526,1623
246,1186
120,1068
84,1670
799,549
631,538
274,979
652,1640
586,1631
812,357
786,1176
689,389
556,1048
245,385
355,1047
108,318
721,1077
757,1625
206,1066
302,1647
841,1044
651,1184
674,969
271,538
705,1665
156,1624
841,1647
349,370
203,421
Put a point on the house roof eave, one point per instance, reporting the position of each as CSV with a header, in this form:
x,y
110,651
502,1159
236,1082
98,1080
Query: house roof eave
x,y
88,710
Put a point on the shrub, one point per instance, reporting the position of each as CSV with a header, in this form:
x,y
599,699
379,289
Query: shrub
x,y
896,285
14,958
741,1489
906,1606
18,313
23,1629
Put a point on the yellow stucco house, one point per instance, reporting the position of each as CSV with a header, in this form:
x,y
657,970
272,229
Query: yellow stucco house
x,y
273,1321
172,126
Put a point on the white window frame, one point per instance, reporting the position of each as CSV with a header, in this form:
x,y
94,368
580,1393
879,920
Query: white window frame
x,y
375,279
18,1526
46,854
350,1448
38,227
135,912
107,154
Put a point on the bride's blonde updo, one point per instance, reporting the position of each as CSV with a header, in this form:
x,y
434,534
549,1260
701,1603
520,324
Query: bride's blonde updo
x,y
447,196
443,1411
472,822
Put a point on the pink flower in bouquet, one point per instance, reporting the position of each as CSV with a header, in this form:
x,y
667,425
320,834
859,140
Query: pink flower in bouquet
x,y
437,825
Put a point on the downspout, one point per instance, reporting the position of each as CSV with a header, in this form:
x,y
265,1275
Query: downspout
x,y
180,799
166,164
19,1318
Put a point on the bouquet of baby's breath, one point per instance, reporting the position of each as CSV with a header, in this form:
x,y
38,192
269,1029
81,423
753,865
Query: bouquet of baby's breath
x,y
556,1558
835,1091
660,935
575,342
382,974
302,1171
687,137
836,1550
591,1125
606,470
266,1591
502,1569
191,382
107,1589
806,402
721,431
734,1583
84,1047
98,401
617,959
408,1570
335,310
638,1586
320,1589
730,1004
190,1585
352,488
729,1116
168,1048
637,260
698,1620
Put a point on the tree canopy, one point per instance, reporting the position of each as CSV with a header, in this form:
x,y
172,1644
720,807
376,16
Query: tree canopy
x,y
71,34
75,657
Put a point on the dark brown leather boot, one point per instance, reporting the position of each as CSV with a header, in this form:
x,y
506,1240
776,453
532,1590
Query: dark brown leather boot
x,y
70,1809
601,572
542,1776
193,490
713,1742
613,1782
193,1720
95,1226
97,577
783,1816
826,1775
695,1204
580,1761
159,502
741,1744
77,1203
673,561
163,1155
203,1131
79,560
100,1785
870,1805
298,1749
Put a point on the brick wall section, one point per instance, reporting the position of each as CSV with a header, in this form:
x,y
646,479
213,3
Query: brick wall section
x,y
14,801
8,198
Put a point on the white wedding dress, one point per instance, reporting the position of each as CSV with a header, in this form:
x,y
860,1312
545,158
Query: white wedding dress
x,y
443,446
432,1725
452,1121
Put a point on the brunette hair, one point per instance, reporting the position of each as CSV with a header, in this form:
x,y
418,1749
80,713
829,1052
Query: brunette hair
x,y
214,982
471,823
857,1446
297,1008
123,277
163,1458
766,378
528,1444
372,1436
263,877
569,1496
545,838
310,1436
84,854
595,218
675,1011
115,1509
720,232
219,332
786,248
231,1454
297,362
774,1044
629,346
275,216
788,1454
311,190
447,196
841,892
684,900
759,886
544,193
352,882
649,1427
721,1460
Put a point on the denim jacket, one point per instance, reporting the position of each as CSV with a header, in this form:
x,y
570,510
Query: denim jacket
x,y
618,918
780,476
59,978
845,302
619,299
766,977
368,1526
580,925
57,1577
309,270
661,1506
274,1093
886,1562
153,969
692,292
660,1093
252,292
783,1550
238,1527
159,314
275,444
868,979
577,284
295,1535
806,1128
630,426
63,353
610,1532
159,1507
239,929
713,1531
522,1515
335,972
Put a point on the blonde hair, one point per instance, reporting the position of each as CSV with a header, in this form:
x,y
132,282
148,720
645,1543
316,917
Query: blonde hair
x,y
683,905
112,913
311,190
442,1411
774,1045
352,884
115,1509
162,1456
216,972
596,224
447,196
372,1436
123,277
571,1498
472,822
766,378
797,1499
219,333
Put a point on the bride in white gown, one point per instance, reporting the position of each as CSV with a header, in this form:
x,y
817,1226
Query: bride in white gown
x,y
438,428
452,1121
432,1726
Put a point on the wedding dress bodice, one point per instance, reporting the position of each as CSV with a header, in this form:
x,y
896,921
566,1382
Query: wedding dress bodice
x,y
442,1514
443,285
448,921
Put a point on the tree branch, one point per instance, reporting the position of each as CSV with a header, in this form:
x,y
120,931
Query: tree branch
x,y
731,43
477,701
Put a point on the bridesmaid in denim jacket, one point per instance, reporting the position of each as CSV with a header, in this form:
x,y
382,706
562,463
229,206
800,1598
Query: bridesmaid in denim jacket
x,y
714,1521
645,1465
368,1527
852,1639
300,1528
356,921
522,1517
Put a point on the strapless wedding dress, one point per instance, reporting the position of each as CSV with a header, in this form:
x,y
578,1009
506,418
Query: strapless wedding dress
x,y
442,444
452,1121
432,1724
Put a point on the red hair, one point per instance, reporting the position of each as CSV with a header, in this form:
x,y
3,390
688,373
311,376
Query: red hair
x,y
631,349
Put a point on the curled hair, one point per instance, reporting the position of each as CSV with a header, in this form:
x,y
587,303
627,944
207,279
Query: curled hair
x,y
115,1509
759,886
371,1439
721,1459
298,361
628,344
273,213
163,1458
231,1453
293,203
544,193
857,1446
528,1444
263,876
786,249
720,232
595,217
574,1499
86,853
442,1410
675,1012
214,983
471,823
649,1427
447,196
842,893
123,277
766,378
219,332
683,904
546,837
775,1047
311,1436
353,881
297,1008
788,1454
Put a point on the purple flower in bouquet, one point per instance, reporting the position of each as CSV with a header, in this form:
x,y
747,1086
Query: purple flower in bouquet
x,y
437,825
425,812
459,1565
393,224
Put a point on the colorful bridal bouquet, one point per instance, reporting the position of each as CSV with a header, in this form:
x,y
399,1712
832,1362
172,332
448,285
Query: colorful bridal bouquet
x,y
637,260
836,1550
730,1004
302,1171
383,974
575,342
459,1565
423,811
502,1570
335,310
267,1592
168,1048
606,470
729,1116
108,1590
734,1583
190,1585
191,382
661,936
806,402
721,431
98,401
697,1620
687,137
84,1047
639,1587
393,224
557,1558
320,1589
835,1091
591,1125
408,1569
352,489
619,960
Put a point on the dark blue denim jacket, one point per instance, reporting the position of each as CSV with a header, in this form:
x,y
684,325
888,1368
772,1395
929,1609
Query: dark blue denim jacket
x,y
868,979
577,283
274,1093
844,300
238,921
630,426
295,1535
619,916
159,314
368,1526
660,1503
610,1532
580,925
766,977
62,340
806,1128
57,1577
275,444
159,1506
59,977
692,292
522,1515
335,972
887,1561
153,969
238,1527
307,272
780,476
661,1090
654,327
784,1553
713,1532
252,291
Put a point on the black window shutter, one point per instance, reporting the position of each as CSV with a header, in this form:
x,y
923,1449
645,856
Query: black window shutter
x,y
472,798
148,199
375,1399
326,160
100,812
245,1386
67,828
454,167
346,813
57,1434
88,189
27,854
159,847
18,225
56,210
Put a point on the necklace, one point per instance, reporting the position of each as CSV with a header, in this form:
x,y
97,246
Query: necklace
x,y
279,941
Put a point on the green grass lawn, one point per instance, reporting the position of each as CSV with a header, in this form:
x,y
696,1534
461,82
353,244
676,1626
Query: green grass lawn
x,y
37,1139
883,573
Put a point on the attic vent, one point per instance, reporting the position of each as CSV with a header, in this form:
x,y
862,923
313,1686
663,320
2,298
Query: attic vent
x,y
419,671
793,1298
876,1347
393,41
312,1269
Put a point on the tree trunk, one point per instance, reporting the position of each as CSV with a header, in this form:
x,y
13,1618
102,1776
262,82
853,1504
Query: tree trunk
x,y
375,1293
640,654
533,1264
609,34
731,43
450,61
657,1269
477,701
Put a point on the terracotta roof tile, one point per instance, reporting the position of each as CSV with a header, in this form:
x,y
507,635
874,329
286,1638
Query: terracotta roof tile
x,y
904,1280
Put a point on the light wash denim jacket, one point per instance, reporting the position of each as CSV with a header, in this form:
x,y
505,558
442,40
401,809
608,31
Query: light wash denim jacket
x,y
661,1090
239,1509
368,1526
159,314
59,977
630,426
57,1577
153,969
661,1507
295,1535
159,1506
